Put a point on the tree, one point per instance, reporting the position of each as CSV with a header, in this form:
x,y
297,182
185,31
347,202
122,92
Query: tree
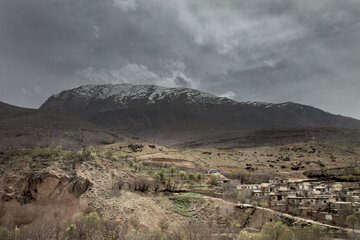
x,y
173,170
324,171
198,177
213,180
191,176
183,175
161,175
352,221
5,233
277,231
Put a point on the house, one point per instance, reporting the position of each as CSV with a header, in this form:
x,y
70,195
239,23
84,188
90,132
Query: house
x,y
249,186
322,201
258,193
304,186
294,201
213,171
341,207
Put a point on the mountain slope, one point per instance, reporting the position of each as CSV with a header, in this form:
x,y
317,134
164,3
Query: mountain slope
x,y
21,127
157,110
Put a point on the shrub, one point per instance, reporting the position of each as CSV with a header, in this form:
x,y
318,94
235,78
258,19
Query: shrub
x,y
89,152
309,233
161,175
171,185
107,141
71,231
349,178
91,226
183,175
352,221
198,177
324,171
213,180
141,184
136,147
156,185
277,231
191,176
173,170
109,155
137,166
5,234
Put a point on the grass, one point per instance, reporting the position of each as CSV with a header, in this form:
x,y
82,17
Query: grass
x,y
182,203
196,185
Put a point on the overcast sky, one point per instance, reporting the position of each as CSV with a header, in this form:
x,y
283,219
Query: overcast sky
x,y
305,51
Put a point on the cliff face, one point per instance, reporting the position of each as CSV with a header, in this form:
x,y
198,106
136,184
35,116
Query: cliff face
x,y
25,197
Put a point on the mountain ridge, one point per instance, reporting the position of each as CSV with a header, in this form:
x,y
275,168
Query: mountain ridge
x,y
154,110
26,127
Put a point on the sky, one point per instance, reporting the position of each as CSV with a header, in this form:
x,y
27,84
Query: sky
x,y
275,51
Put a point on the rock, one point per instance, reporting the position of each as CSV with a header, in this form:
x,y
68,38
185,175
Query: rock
x,y
287,159
208,153
79,186
136,147
295,168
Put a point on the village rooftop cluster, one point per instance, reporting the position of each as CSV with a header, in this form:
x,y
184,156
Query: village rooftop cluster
x,y
328,202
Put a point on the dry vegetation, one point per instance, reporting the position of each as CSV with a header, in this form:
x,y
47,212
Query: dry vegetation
x,y
249,163
133,190
93,227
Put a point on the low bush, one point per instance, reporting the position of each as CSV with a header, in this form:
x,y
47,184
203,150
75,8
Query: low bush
x,y
213,180
198,177
141,184
93,227
183,175
161,175
191,176
173,170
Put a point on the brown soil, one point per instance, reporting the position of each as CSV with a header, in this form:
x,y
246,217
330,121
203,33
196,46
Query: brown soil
x,y
27,197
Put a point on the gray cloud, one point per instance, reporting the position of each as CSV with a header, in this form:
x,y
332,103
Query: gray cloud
x,y
252,50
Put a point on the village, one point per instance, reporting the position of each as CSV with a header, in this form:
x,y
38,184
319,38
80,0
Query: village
x,y
323,201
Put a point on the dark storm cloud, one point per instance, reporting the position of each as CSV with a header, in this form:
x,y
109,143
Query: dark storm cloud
x,y
282,50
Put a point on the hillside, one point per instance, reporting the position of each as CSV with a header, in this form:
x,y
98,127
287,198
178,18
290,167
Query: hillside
x,y
272,137
180,113
20,127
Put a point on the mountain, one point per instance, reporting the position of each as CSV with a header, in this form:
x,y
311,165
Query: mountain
x,y
22,127
273,137
158,111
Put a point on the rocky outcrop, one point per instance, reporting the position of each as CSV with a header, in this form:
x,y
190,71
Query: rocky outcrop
x,y
42,187
79,186
29,196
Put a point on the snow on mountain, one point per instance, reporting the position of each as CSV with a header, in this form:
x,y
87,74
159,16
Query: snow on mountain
x,y
149,107
126,93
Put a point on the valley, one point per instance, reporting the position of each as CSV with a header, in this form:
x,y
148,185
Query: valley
x,y
99,165
143,185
